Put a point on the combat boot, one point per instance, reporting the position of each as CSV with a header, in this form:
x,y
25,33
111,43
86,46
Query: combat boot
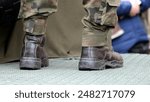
x,y
99,57
33,54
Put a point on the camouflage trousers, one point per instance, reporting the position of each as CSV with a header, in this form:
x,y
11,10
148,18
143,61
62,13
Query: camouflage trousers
x,y
101,15
35,14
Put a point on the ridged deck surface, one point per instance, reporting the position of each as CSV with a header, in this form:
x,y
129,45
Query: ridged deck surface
x,y
64,71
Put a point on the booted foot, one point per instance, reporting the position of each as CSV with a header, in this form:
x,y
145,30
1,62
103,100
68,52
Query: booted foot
x,y
33,54
99,58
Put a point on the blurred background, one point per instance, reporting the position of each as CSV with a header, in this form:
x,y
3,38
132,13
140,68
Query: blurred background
x,y
64,33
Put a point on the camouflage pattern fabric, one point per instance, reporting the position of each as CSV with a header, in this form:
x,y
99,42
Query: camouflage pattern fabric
x,y
35,13
101,16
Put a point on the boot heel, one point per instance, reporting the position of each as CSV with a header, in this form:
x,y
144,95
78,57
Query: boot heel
x,y
30,63
87,65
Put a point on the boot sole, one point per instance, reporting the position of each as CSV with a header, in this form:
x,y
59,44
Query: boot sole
x,y
29,63
85,65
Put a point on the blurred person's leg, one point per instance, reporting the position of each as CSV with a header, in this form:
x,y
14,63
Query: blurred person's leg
x,y
97,53
35,14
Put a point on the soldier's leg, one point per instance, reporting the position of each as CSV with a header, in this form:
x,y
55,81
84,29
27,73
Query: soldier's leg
x,y
96,41
35,14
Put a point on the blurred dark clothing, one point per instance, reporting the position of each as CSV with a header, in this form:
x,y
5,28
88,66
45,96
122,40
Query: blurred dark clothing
x,y
145,5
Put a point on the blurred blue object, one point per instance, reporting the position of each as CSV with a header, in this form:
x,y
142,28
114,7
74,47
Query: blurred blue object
x,y
134,30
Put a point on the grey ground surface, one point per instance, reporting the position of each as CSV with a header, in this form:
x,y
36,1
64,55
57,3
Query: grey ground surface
x,y
136,71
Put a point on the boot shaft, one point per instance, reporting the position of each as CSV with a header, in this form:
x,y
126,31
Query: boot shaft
x,y
100,53
33,45
94,52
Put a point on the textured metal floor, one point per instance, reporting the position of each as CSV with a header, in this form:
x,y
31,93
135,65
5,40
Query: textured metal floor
x,y
136,71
